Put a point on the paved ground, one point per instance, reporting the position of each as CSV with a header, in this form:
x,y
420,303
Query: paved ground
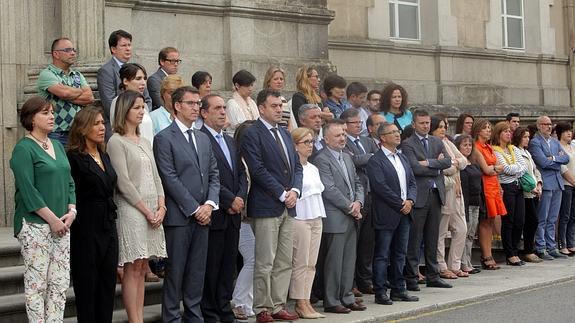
x,y
552,303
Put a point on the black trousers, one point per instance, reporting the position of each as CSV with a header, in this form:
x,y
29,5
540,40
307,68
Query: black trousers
x,y
93,266
365,247
512,223
530,225
220,273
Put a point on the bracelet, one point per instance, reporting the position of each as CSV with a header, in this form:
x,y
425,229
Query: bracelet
x,y
73,211
163,207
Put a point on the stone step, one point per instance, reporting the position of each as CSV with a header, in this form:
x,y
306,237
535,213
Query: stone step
x,y
10,254
13,309
11,280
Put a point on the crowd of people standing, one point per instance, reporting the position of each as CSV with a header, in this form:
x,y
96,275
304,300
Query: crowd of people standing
x,y
336,192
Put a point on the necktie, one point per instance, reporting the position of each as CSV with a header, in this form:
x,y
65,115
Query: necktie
x,y
358,144
280,146
224,147
190,136
425,146
345,174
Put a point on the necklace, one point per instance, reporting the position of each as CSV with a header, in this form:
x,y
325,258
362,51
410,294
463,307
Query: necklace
x,y
44,143
96,158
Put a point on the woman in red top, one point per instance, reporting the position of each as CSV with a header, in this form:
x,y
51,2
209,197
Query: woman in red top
x,y
485,157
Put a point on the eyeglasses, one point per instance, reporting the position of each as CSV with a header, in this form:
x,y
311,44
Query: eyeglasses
x,y
306,142
173,61
546,124
354,122
66,50
192,103
395,132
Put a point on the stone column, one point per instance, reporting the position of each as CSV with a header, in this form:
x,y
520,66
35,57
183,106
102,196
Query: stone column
x,y
83,23
569,12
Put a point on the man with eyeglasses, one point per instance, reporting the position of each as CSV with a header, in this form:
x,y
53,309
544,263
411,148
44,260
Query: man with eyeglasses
x,y
169,60
66,88
189,172
361,148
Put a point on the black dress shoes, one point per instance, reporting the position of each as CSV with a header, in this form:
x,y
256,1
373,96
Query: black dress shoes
x,y
337,310
403,297
356,307
383,300
438,283
412,286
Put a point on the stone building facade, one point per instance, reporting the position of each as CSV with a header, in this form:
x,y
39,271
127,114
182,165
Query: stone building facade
x,y
451,55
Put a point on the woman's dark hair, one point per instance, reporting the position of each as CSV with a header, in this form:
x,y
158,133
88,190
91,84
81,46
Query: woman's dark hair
x,y
332,81
199,78
461,121
386,94
124,103
561,127
435,121
243,78
128,71
460,139
407,132
82,125
29,109
518,136
532,127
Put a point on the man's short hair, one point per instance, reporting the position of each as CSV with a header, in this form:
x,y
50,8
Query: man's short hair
x,y
115,37
420,113
56,41
333,81
369,121
349,113
206,101
264,94
302,112
511,115
163,54
372,92
179,93
383,128
331,123
355,88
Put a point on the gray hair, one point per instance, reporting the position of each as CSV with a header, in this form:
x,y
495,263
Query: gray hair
x,y
383,128
301,114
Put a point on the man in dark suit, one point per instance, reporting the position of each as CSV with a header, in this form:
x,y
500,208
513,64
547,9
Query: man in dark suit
x,y
361,149
343,199
393,195
427,157
309,116
189,173
108,78
169,60
225,225
276,180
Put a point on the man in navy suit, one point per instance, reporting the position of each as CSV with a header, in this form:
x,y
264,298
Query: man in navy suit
x,y
169,60
189,173
276,180
225,225
393,194
548,157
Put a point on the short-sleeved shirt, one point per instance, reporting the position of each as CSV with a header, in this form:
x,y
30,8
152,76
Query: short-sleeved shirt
x,y
64,111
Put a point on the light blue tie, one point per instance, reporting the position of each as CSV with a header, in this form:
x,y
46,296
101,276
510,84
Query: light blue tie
x,y
225,149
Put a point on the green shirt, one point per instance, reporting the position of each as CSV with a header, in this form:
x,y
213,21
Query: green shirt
x,y
41,181
64,111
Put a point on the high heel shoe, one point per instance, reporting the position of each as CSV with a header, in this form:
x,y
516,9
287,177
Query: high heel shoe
x,y
491,266
314,315
516,263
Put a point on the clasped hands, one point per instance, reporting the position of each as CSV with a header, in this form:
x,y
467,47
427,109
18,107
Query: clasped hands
x,y
355,211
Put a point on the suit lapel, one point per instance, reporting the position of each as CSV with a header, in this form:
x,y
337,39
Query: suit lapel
x,y
389,167
179,136
269,137
217,149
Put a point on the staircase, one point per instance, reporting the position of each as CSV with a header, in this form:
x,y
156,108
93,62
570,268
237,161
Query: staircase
x,y
12,303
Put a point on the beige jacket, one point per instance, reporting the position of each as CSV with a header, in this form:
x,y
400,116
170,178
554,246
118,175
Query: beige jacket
x,y
453,194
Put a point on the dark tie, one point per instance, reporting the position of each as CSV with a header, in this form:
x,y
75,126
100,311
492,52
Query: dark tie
x,y
425,146
358,144
190,136
280,146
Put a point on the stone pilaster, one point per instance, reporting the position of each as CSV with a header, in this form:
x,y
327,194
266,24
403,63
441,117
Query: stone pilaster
x,y
82,22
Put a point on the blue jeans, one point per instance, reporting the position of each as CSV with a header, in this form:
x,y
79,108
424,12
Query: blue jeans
x,y
547,214
61,136
390,249
566,234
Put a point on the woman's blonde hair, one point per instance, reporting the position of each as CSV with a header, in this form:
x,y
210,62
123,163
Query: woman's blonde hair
x,y
270,74
302,80
299,133
171,83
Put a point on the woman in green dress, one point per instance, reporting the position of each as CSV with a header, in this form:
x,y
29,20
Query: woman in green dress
x,y
45,209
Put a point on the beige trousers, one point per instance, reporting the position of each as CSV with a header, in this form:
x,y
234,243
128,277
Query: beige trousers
x,y
306,240
273,262
455,223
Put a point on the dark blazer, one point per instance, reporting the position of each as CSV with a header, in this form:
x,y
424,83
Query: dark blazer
x,y
415,152
187,184
270,177
550,169
386,201
336,195
233,183
360,158
94,195
153,84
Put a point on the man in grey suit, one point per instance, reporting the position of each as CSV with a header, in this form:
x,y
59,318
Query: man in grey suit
x,y
169,60
361,148
189,173
427,157
108,79
343,199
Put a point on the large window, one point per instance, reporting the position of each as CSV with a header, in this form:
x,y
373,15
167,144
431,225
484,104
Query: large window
x,y
404,19
512,24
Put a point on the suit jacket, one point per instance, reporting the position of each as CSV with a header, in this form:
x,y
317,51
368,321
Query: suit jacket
x,y
233,183
386,201
360,158
550,169
414,150
94,197
336,196
108,80
153,84
269,175
189,179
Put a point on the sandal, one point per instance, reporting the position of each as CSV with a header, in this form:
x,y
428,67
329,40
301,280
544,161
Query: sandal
x,y
461,273
447,274
488,263
240,313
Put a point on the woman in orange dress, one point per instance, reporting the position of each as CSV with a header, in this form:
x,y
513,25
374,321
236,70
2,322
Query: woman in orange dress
x,y
485,157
